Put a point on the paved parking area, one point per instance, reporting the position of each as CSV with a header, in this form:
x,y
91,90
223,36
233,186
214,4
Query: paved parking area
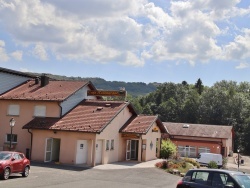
x,y
132,175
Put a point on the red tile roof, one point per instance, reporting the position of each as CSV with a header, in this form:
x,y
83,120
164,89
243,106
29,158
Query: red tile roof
x,y
54,91
141,124
198,130
89,116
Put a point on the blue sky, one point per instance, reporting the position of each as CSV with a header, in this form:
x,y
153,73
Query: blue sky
x,y
131,41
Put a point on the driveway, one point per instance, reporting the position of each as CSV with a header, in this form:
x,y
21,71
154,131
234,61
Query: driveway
x,y
128,175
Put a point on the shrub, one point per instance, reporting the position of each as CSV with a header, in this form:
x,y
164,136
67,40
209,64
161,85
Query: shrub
x,y
168,148
212,164
192,161
162,164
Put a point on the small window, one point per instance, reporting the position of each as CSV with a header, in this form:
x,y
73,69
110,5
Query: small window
x,y
40,111
13,110
14,138
17,157
107,144
112,145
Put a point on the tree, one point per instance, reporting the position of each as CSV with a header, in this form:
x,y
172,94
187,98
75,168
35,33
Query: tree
x,y
147,110
199,86
168,148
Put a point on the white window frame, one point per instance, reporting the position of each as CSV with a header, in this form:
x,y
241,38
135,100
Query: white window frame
x,y
14,110
40,111
13,141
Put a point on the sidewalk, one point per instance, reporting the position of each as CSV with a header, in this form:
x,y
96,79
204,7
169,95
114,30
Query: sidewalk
x,y
242,167
128,164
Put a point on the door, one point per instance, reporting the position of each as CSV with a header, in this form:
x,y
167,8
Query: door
x,y
128,150
81,151
134,146
132,150
17,163
98,152
48,149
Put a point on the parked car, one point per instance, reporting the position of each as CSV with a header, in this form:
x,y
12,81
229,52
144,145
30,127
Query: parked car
x,y
205,158
13,162
214,178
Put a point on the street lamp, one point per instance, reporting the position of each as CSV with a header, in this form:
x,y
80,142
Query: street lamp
x,y
238,150
12,124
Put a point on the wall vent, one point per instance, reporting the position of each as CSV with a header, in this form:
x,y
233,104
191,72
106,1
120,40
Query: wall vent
x,y
185,126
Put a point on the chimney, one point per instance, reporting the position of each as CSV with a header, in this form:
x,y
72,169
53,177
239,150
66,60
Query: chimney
x,y
37,80
44,80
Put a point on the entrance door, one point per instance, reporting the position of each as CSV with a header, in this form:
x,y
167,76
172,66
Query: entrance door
x,y
134,146
48,149
81,151
98,152
128,150
132,150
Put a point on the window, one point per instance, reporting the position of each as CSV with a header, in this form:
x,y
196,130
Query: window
x,y
204,150
40,111
14,138
13,110
200,177
112,145
107,144
17,157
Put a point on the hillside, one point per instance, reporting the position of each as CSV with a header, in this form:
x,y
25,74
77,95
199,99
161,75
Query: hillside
x,y
133,88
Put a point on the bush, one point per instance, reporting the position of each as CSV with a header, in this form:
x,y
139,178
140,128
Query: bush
x,y
192,161
168,148
212,164
162,164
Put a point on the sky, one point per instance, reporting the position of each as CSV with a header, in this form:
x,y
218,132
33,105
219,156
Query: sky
x,y
128,40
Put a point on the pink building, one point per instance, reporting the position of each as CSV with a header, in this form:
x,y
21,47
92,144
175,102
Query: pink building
x,y
192,139
57,121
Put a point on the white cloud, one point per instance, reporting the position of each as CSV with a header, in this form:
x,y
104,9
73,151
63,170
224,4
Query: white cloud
x,y
40,52
242,66
239,48
126,32
3,55
17,55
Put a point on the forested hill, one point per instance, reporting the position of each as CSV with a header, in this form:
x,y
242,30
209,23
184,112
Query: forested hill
x,y
133,88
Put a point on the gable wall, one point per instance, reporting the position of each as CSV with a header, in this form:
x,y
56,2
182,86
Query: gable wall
x,y
112,132
74,99
150,139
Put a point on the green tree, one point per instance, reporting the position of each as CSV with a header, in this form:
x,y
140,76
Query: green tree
x,y
199,86
147,110
168,148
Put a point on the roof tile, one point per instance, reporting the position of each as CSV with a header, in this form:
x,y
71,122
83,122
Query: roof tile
x,y
85,117
198,130
54,91
139,124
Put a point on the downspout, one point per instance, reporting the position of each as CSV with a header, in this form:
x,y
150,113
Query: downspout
x,y
31,141
60,113
141,147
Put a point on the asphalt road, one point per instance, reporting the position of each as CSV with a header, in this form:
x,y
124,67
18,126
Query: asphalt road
x,y
73,177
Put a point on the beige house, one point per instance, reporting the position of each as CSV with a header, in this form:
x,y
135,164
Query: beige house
x,y
192,139
36,98
96,132
58,121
